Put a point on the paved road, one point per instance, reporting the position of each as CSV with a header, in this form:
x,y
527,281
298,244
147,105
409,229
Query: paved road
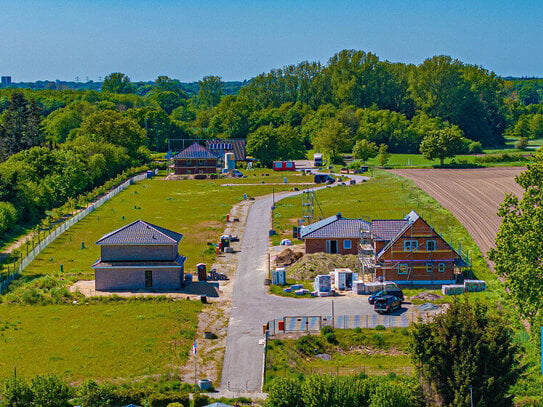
x,y
252,306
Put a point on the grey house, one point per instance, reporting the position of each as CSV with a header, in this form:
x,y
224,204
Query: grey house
x,y
139,256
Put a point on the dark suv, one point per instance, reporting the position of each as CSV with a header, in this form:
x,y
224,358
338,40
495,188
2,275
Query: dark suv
x,y
395,292
324,179
387,303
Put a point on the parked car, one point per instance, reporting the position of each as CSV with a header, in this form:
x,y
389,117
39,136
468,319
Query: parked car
x,y
395,292
361,170
387,303
324,178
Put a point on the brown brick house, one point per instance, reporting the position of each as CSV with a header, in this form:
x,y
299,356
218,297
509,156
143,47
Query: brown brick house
x,y
410,251
335,234
139,256
195,159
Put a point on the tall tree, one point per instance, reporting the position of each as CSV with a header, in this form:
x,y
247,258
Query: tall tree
x,y
117,82
364,150
20,128
465,346
210,91
332,138
445,143
518,253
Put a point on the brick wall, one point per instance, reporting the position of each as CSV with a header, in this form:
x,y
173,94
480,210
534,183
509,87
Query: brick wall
x,y
319,246
138,252
118,278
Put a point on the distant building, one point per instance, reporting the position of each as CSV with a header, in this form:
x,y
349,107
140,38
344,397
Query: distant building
x,y
139,256
222,146
195,159
6,80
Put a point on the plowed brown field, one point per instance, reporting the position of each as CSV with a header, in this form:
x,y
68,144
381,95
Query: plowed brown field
x,y
472,195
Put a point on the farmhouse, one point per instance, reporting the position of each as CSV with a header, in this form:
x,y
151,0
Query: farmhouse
x,y
335,234
195,159
410,251
139,256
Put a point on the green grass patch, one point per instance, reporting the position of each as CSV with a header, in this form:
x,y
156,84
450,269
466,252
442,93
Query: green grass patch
x,y
197,209
368,351
278,289
125,339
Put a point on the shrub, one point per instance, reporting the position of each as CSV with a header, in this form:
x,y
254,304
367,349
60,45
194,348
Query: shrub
x,y
331,337
475,147
49,391
358,330
521,143
16,392
200,400
162,400
309,345
91,394
378,340
380,328
285,392
8,216
326,329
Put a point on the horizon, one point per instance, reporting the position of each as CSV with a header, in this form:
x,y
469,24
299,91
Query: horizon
x,y
240,39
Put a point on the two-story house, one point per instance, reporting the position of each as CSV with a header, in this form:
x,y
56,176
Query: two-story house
x,y
139,256
195,159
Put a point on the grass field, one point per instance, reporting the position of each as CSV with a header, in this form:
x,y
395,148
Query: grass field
x,y
197,209
369,351
124,339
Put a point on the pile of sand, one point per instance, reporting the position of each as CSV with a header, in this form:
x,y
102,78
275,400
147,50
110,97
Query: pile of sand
x,y
426,297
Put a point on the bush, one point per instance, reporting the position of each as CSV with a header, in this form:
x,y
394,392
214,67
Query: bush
x,y
16,393
358,330
8,216
326,329
309,345
378,340
162,400
521,143
49,391
91,394
285,392
475,147
380,328
331,338
200,400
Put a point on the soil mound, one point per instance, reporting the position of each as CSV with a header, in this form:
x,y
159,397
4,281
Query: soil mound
x,y
287,257
311,265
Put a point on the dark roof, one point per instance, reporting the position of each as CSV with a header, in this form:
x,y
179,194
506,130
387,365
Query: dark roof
x,y
221,146
335,226
195,152
140,232
387,229
178,262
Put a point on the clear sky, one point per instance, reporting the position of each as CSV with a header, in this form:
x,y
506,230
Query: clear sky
x,y
238,39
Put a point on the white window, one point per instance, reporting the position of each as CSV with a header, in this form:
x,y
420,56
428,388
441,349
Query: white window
x,y
404,268
347,244
441,267
431,245
410,245
429,267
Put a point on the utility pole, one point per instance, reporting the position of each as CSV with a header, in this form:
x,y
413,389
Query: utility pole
x,y
470,395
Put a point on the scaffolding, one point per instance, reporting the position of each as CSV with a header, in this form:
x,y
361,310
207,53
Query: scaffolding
x,y
308,206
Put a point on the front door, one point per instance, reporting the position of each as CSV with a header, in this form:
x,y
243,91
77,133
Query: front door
x,y
331,246
148,278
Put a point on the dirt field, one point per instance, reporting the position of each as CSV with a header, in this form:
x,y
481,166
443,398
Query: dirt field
x,y
472,195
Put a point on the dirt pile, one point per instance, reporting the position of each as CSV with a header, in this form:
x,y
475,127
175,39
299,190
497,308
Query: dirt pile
x,y
287,257
321,263
426,297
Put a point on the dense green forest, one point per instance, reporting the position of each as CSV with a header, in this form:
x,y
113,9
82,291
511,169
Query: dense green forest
x,y
56,143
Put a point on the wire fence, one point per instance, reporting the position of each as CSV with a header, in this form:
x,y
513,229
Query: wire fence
x,y
15,269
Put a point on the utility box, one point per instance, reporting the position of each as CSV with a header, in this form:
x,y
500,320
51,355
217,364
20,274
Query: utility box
x,y
225,242
343,279
201,270
279,276
323,283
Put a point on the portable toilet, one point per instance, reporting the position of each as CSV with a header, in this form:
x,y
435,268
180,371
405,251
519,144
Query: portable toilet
x,y
322,283
201,270
229,162
343,278
279,276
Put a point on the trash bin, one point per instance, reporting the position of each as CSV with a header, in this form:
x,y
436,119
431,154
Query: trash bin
x,y
201,271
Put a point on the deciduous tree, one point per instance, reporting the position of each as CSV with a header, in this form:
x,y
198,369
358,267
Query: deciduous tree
x,y
445,143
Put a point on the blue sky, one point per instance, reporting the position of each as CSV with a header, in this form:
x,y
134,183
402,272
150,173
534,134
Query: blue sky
x,y
237,39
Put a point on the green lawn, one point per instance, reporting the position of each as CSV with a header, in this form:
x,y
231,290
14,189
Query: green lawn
x,y
385,196
124,339
369,351
197,209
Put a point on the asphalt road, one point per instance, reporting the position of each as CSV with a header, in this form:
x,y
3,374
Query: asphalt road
x,y
252,306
